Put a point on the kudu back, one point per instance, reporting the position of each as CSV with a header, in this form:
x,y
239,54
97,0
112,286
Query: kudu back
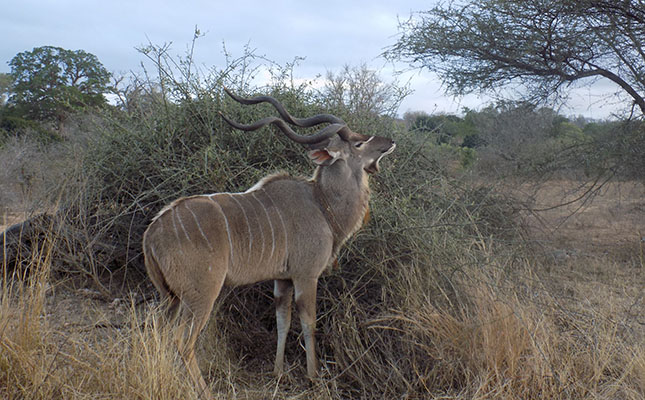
x,y
286,229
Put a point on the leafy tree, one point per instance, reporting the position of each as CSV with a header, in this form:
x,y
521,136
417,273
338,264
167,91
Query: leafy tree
x,y
5,86
543,45
510,136
50,82
446,128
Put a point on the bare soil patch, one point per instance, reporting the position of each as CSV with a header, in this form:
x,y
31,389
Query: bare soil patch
x,y
594,248
610,221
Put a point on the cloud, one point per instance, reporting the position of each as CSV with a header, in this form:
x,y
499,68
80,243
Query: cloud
x,y
328,35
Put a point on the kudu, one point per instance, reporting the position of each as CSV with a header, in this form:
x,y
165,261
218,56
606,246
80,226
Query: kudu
x,y
284,228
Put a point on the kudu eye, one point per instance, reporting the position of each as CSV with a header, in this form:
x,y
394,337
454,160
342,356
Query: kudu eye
x,y
358,145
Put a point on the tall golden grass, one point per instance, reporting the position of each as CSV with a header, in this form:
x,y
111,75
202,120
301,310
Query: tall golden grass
x,y
502,337
42,360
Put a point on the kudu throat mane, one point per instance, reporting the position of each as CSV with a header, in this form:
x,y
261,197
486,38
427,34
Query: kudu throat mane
x,y
341,228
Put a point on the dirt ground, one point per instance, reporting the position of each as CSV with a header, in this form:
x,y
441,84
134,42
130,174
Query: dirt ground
x,y
611,221
595,249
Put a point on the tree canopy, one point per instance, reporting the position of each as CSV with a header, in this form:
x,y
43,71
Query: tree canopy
x,y
5,85
49,82
543,45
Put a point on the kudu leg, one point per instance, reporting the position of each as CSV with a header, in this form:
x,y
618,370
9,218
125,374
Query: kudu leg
x,y
187,351
283,293
191,325
306,303
186,346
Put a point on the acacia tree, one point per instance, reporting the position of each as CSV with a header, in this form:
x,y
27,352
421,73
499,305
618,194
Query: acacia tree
x,y
543,45
50,82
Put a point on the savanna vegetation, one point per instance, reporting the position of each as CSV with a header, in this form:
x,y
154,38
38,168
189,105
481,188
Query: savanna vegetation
x,y
452,290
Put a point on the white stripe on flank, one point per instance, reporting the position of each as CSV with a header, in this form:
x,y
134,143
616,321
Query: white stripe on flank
x,y
284,227
228,230
248,225
208,242
270,226
259,225
256,217
182,224
174,225
163,229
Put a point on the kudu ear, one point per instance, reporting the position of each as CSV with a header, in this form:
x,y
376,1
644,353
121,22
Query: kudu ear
x,y
326,152
324,157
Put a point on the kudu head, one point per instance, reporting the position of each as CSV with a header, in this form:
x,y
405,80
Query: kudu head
x,y
335,142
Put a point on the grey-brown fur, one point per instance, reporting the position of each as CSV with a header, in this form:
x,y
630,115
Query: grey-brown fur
x,y
286,229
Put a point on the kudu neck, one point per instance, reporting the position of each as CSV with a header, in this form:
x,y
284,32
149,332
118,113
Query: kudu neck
x,y
343,195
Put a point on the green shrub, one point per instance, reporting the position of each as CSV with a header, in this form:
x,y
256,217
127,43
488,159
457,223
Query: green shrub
x,y
16,126
165,145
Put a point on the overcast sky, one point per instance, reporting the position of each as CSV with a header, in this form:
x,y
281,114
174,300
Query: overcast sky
x,y
328,35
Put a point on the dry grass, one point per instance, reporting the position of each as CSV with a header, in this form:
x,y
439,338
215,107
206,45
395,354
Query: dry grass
x,y
504,337
611,219
44,358
433,301
507,348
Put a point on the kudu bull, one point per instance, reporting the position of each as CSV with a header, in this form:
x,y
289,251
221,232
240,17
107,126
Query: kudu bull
x,y
286,229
